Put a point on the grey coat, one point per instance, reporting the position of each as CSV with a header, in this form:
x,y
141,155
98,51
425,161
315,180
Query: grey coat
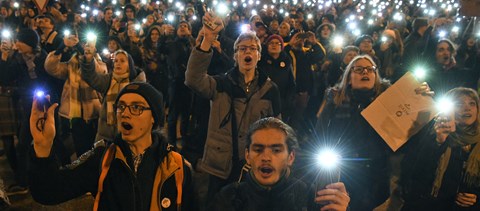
x,y
263,101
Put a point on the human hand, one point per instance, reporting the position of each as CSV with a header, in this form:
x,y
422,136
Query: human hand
x,y
311,37
217,46
89,51
334,196
70,40
42,127
425,90
466,199
443,127
210,34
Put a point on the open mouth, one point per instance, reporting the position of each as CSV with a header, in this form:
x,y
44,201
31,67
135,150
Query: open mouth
x,y
266,171
126,126
446,58
465,115
248,59
365,79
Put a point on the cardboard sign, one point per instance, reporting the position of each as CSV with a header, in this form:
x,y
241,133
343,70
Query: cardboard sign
x,y
40,5
399,113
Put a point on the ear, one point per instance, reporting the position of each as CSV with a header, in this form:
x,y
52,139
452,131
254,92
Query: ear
x,y
247,157
291,158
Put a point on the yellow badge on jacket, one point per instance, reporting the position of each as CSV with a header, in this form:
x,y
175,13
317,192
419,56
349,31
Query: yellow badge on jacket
x,y
166,202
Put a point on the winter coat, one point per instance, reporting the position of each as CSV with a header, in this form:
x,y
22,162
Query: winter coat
x,y
101,83
86,96
365,153
263,101
122,188
288,194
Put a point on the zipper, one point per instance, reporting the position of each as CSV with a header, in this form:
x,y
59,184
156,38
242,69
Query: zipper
x,y
161,186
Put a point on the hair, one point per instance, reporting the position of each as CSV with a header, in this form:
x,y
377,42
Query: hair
x,y
249,35
458,92
419,22
106,9
451,46
274,123
344,87
349,48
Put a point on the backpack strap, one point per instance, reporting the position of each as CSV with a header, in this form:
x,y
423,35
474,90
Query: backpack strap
x,y
106,161
179,179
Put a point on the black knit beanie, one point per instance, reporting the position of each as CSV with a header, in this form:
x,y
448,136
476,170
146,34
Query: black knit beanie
x,y
29,37
153,97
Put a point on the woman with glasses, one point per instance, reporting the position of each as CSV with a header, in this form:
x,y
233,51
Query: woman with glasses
x,y
110,85
341,126
442,171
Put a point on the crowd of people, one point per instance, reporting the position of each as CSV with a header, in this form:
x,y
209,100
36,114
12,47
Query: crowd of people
x,y
245,92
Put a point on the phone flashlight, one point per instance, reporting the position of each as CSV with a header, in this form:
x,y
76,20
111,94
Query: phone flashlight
x,y
6,34
445,107
105,52
328,162
66,33
42,102
338,41
384,39
91,36
420,73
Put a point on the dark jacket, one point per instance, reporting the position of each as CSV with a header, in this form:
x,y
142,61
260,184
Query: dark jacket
x,y
280,71
365,153
262,101
122,188
419,171
288,194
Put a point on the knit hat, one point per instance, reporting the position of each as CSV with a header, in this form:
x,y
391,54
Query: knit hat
x,y
275,36
153,97
361,38
29,37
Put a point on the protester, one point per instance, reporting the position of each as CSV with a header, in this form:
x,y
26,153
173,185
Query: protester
x,y
270,152
139,170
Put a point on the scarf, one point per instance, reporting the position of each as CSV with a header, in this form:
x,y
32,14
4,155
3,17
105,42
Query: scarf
x,y
30,62
460,138
74,78
118,82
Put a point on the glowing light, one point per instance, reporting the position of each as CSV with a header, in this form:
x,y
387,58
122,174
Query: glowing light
x,y
370,21
144,20
170,18
137,27
444,105
66,33
39,93
105,51
16,5
328,159
6,34
455,29
397,17
91,36
357,32
95,12
338,41
114,2
222,9
83,15
254,12
118,13
309,16
420,73
244,28
442,34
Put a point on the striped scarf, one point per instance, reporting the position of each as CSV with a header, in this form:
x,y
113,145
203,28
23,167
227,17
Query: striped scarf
x,y
117,84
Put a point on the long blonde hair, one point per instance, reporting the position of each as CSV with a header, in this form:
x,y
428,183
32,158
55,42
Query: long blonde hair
x,y
344,87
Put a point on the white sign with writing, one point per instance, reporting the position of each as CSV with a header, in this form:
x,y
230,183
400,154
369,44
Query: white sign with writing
x,y
399,113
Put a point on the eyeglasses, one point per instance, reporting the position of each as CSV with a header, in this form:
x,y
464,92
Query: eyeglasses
x,y
134,109
360,69
244,49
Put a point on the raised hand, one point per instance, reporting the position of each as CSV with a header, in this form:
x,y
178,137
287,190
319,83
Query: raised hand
x,y
42,127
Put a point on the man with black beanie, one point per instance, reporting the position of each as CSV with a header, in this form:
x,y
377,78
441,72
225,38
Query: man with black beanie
x,y
139,170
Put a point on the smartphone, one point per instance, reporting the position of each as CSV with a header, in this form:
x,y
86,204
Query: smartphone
x,y
450,116
302,35
42,102
326,177
209,24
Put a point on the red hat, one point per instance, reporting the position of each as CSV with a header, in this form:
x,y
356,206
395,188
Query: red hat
x,y
275,36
